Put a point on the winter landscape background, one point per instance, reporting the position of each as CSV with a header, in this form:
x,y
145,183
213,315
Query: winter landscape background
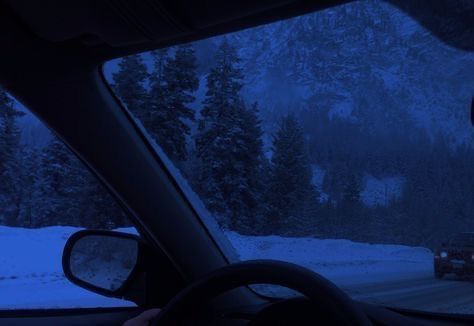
x,y
349,123
336,132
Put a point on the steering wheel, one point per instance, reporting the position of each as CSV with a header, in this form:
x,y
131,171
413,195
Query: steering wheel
x,y
320,291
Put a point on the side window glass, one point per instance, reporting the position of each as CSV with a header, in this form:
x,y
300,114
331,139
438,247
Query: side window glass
x,y
46,194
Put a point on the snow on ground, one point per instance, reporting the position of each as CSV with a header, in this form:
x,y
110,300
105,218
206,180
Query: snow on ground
x,y
342,261
31,274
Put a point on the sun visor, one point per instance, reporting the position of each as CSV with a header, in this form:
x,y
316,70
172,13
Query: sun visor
x,y
115,23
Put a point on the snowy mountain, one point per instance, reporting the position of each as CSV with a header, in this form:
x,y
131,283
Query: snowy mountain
x,y
327,60
383,104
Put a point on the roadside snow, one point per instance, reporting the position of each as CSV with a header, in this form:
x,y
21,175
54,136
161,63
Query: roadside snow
x,y
31,274
342,261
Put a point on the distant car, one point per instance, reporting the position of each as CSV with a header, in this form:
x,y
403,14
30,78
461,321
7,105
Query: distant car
x,y
456,256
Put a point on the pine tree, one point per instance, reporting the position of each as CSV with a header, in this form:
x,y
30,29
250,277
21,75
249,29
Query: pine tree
x,y
61,186
351,190
228,145
31,202
171,93
68,194
155,100
291,195
254,170
129,85
349,209
160,57
214,137
10,187
100,210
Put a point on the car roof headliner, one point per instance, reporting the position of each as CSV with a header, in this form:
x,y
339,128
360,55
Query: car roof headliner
x,y
74,34
105,29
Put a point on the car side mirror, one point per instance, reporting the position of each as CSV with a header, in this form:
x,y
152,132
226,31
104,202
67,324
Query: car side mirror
x,y
102,261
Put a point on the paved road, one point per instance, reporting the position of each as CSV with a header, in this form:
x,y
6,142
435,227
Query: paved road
x,y
450,294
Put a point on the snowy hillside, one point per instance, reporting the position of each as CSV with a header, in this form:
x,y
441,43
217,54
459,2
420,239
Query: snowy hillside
x,y
31,275
324,61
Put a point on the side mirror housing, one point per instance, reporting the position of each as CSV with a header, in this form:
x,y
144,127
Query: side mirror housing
x,y
104,262
121,265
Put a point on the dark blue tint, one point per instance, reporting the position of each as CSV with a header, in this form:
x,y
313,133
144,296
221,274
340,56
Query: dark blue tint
x,y
339,140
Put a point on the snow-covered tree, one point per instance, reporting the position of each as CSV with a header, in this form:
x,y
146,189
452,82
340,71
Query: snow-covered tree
x,y
292,198
10,186
61,184
68,194
228,144
160,58
172,86
30,174
129,84
154,102
100,209
255,170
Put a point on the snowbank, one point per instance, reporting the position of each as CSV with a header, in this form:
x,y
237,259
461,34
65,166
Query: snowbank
x,y
342,261
31,274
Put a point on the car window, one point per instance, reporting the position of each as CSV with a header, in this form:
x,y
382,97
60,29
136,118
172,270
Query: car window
x,y
46,194
339,140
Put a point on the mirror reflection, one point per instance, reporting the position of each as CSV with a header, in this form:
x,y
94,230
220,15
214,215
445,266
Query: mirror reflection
x,y
104,261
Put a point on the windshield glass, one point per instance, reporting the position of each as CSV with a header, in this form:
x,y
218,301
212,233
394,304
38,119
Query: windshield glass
x,y
338,140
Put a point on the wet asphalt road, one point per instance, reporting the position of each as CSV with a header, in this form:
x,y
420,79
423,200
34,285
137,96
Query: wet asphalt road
x,y
451,294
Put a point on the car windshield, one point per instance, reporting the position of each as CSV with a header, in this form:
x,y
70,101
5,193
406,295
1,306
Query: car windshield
x,y
338,140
